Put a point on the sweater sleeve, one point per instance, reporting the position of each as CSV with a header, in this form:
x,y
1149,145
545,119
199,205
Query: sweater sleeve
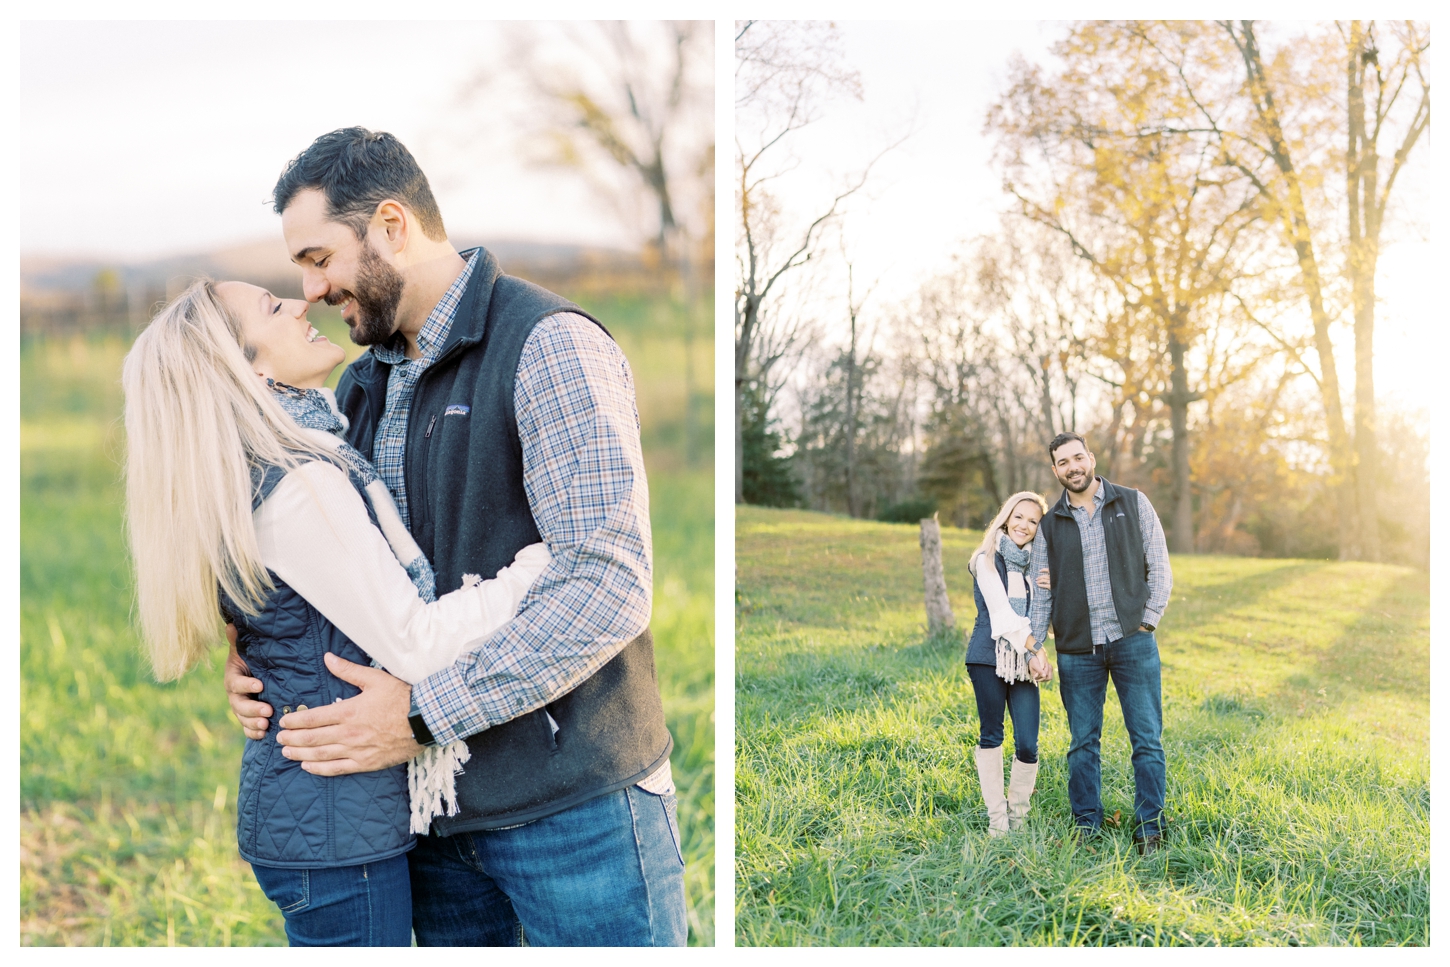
x,y
1006,623
313,532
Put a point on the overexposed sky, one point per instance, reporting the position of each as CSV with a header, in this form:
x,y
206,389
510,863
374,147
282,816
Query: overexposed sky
x,y
149,138
939,189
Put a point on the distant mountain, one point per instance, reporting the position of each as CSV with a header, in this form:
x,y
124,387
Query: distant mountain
x,y
265,262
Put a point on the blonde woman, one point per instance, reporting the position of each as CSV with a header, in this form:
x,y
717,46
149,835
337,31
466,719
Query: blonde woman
x,y
240,495
1004,662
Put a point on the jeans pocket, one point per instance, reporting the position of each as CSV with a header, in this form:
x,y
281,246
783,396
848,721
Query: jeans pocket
x,y
671,807
289,889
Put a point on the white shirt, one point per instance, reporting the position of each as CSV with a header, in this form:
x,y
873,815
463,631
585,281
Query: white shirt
x,y
313,532
1006,623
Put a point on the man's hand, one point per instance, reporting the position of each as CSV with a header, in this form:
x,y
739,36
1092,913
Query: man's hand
x,y
1044,580
1040,668
240,691
363,733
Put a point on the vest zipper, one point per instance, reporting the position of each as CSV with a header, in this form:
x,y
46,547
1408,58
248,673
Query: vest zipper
x,y
429,432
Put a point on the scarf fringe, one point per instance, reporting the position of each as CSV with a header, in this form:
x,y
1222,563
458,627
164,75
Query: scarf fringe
x,y
431,788
1012,665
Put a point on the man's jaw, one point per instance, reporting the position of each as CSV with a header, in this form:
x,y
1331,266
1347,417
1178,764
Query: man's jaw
x,y
1077,484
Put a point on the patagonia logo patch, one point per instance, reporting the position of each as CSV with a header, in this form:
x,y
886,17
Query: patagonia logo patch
x,y
456,409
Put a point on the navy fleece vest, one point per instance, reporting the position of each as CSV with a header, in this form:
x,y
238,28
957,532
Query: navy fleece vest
x,y
1127,567
287,817
470,514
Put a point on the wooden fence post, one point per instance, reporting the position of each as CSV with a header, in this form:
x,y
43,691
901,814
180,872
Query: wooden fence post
x,y
938,607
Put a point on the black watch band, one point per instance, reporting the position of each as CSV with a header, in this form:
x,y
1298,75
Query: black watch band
x,y
421,733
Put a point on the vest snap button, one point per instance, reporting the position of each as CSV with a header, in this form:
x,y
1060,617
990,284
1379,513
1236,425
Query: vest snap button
x,y
302,708
286,709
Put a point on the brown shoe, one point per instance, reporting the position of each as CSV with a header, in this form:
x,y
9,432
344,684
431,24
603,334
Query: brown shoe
x,y
1148,844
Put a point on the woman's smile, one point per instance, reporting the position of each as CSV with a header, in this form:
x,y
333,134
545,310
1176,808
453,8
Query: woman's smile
x,y
1022,524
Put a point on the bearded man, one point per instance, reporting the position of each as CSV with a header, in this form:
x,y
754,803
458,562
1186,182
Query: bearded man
x,y
1103,548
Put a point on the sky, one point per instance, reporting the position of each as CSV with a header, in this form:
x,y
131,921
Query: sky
x,y
146,139
939,189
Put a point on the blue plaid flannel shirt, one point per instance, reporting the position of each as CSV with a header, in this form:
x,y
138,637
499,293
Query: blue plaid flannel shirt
x,y
584,476
1102,613
390,439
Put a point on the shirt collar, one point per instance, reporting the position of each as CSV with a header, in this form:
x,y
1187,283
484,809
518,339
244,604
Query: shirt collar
x,y
436,327
1098,498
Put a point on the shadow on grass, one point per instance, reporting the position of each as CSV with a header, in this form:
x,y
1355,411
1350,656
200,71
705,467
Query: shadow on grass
x,y
1376,669
1235,595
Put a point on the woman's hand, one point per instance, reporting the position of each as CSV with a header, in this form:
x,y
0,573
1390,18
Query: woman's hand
x,y
1044,580
1040,668
242,691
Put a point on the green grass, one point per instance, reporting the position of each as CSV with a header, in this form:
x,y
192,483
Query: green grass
x,y
1296,706
128,788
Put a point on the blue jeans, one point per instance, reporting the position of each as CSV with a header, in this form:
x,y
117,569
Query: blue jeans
x,y
605,873
994,698
1132,663
344,906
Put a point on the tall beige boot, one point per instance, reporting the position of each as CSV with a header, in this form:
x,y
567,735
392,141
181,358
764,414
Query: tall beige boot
x,y
989,772
1019,793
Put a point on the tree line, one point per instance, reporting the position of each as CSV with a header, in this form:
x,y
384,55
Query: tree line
x,y
1193,211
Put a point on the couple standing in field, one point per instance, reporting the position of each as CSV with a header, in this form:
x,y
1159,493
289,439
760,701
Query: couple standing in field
x,y
501,772
1102,580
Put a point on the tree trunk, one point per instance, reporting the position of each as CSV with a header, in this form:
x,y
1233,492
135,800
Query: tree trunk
x,y
1178,400
851,424
1362,174
745,319
1295,219
938,607
739,442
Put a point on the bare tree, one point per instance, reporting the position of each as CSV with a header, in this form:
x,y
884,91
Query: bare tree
x,y
1373,86
784,73
628,105
854,307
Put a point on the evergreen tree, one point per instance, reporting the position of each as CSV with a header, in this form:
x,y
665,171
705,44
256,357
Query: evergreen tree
x,y
767,477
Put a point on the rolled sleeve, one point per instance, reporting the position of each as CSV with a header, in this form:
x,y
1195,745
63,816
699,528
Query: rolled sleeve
x,y
584,477
1160,572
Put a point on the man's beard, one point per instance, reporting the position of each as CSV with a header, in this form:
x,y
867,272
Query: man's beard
x,y
1086,482
375,298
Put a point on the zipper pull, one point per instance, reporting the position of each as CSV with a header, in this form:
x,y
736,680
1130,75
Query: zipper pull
x,y
429,432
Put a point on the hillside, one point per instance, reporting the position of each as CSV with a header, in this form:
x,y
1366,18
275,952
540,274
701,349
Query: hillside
x,y
1296,707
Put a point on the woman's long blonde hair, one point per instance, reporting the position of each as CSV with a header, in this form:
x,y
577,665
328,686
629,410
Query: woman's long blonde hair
x,y
197,418
998,527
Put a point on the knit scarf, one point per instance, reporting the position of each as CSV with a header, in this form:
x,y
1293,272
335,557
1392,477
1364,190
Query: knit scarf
x,y
431,788
1012,665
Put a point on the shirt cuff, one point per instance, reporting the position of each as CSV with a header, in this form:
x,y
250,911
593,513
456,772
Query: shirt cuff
x,y
1151,617
437,699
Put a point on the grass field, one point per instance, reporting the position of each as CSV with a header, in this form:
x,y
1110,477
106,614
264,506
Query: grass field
x,y
128,788
1296,706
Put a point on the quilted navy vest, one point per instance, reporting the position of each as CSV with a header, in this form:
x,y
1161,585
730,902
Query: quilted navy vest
x,y
287,817
982,647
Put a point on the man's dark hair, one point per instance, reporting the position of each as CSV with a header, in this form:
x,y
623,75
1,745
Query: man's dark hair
x,y
1062,438
356,170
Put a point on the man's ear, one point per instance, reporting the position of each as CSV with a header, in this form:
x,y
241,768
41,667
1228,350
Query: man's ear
x,y
395,221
